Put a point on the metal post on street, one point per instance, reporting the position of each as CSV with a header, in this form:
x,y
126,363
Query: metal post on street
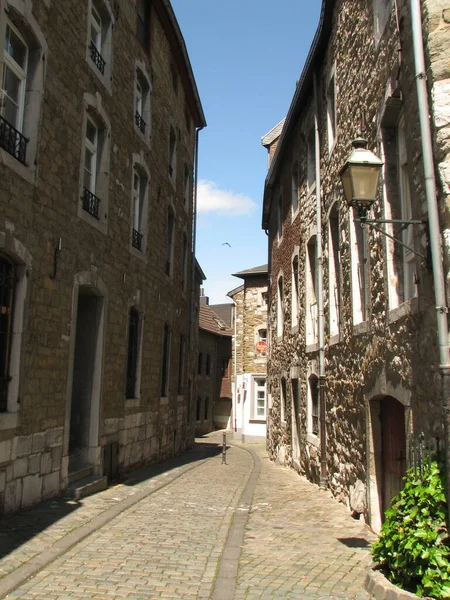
x,y
224,449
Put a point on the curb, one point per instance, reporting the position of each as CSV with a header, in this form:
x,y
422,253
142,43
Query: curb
x,y
379,587
13,580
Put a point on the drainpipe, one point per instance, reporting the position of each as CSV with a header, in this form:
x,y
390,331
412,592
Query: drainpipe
x,y
234,392
320,313
433,222
193,290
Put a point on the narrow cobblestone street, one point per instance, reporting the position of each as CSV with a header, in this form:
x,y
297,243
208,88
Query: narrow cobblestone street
x,y
199,529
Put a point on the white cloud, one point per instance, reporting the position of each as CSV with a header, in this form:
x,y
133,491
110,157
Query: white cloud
x,y
210,198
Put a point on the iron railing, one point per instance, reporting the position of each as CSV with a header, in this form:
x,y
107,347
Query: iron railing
x,y
11,140
91,203
97,58
137,240
140,122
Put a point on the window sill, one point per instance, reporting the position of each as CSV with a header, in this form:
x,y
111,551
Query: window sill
x,y
334,339
280,240
141,255
313,439
312,348
146,139
258,421
294,214
104,79
27,173
95,223
409,307
333,145
294,329
360,328
9,420
311,189
132,402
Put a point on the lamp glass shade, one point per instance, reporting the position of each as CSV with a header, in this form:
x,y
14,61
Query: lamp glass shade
x,y
360,176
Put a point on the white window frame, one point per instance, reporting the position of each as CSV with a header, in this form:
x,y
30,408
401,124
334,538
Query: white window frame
x,y
19,72
172,166
381,10
91,148
280,306
280,218
311,160
103,26
259,388
140,198
283,399
142,101
312,436
295,291
311,317
331,111
359,270
334,271
295,191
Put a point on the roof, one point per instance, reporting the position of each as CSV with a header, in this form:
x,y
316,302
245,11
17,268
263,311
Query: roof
x,y
261,270
273,134
302,94
209,321
223,311
199,271
175,37
235,291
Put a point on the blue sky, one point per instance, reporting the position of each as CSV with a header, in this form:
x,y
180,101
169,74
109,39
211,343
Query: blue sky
x,y
246,56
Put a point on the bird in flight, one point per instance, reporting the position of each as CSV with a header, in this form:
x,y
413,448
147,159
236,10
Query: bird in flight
x,y
226,244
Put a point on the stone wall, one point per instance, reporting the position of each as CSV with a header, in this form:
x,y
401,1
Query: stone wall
x,y
392,353
41,205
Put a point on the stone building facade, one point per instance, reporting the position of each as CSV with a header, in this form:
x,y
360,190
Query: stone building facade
x,y
351,311
249,355
213,401
98,138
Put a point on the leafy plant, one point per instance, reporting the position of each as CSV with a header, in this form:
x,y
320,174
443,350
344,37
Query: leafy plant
x,y
414,545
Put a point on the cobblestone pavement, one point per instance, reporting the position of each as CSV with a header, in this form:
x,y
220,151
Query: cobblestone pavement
x,y
298,542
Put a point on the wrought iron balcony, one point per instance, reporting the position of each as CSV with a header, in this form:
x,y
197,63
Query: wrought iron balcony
x,y
97,58
91,203
11,140
137,240
140,122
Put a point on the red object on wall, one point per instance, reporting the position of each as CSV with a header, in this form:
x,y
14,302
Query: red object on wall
x,y
261,347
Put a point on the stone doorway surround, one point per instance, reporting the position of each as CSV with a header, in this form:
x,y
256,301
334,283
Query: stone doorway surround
x,y
86,281
374,397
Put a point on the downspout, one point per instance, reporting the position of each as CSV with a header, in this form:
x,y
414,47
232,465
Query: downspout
x,y
320,312
193,290
234,391
433,223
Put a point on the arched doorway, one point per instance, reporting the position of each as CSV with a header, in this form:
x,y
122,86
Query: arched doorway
x,y
387,454
393,448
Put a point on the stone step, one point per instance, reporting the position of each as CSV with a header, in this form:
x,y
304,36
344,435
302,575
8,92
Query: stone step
x,y
80,472
87,486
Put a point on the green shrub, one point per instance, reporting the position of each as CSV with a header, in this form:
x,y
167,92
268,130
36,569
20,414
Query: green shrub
x,y
413,549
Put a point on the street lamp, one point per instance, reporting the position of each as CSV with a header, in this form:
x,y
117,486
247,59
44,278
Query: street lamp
x,y
360,176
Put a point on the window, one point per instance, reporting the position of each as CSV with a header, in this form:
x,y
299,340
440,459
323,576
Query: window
x,y
22,79
198,409
181,366
200,363
208,365
132,354
311,160
283,400
165,361
409,263
187,186
142,103
294,294
264,299
294,189
99,50
225,365
360,270
259,410
381,15
12,98
7,283
331,112
91,158
184,266
143,22
206,407
139,217
314,405
334,271
280,218
280,307
311,296
261,343
172,154
169,247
